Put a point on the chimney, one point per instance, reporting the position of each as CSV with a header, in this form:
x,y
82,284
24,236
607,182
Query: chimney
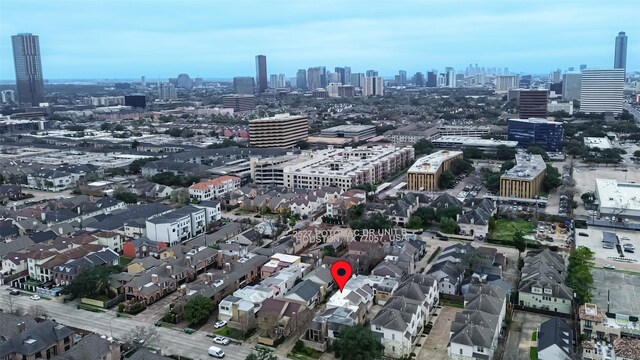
x,y
43,216
21,326
169,270
457,217
187,261
210,277
227,266
154,278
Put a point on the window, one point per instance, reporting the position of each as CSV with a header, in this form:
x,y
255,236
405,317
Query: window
x,y
480,349
460,351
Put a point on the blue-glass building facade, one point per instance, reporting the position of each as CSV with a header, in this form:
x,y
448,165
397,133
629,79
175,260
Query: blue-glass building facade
x,y
546,134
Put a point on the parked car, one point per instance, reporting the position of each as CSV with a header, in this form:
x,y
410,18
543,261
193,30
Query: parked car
x,y
220,324
629,250
583,234
216,352
14,292
35,297
609,266
221,340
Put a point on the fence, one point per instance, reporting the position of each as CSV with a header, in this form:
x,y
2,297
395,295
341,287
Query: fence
x,y
541,311
105,304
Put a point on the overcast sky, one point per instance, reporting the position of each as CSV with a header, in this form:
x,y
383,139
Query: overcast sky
x,y
96,39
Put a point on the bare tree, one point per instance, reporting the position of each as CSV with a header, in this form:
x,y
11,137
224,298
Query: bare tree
x,y
143,337
268,324
37,311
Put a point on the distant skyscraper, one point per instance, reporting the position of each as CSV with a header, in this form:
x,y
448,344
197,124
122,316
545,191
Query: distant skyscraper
x,y
323,76
301,79
341,76
373,86
450,80
418,79
602,91
261,74
432,78
243,85
403,77
556,76
273,81
282,80
357,79
533,104
571,84
28,65
506,82
525,81
143,81
346,80
314,80
583,66
620,59
371,73
571,68
184,81
167,91
198,82
334,77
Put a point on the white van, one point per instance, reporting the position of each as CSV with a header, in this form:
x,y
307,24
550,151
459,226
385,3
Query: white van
x,y
216,352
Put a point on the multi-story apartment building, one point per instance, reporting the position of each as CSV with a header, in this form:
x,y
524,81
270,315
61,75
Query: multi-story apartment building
x,y
373,86
426,171
525,179
280,131
177,226
533,103
602,91
541,132
239,102
214,188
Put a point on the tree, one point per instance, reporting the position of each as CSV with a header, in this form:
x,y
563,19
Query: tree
x,y
537,150
492,223
636,154
135,144
374,221
357,343
446,180
180,197
90,282
492,181
198,309
427,215
504,152
415,222
507,165
519,242
579,276
261,353
472,152
448,225
122,194
37,311
461,166
423,147
141,337
551,179
588,198
136,165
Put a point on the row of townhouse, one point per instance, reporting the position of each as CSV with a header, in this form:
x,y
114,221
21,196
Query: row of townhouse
x,y
542,282
182,224
214,188
475,331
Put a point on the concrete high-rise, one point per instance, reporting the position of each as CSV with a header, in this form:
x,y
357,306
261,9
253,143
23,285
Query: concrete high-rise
x,y
602,91
243,85
301,79
28,66
261,74
341,76
371,73
620,57
323,76
450,77
418,79
357,79
282,81
280,131
403,77
532,104
432,78
184,81
571,85
273,81
346,80
167,91
506,82
314,78
373,86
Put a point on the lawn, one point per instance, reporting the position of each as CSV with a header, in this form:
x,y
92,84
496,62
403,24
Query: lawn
x,y
533,353
505,228
124,261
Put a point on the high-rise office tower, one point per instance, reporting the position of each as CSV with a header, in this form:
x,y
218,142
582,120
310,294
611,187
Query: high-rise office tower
x,y
198,82
357,79
571,68
373,86
184,81
261,74
602,91
403,77
450,80
314,78
282,80
418,79
334,77
620,58
167,91
556,76
28,65
243,85
533,104
583,66
301,79
323,77
273,81
340,77
525,81
371,73
346,79
143,81
571,84
432,78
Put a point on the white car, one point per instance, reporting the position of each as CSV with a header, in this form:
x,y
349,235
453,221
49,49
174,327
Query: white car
x,y
221,340
220,324
34,297
609,266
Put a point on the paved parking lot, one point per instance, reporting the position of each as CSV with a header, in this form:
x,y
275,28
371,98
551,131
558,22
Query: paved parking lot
x,y
617,290
435,347
523,324
604,256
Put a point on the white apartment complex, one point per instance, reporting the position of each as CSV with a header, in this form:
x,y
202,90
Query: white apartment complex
x,y
182,224
373,86
214,188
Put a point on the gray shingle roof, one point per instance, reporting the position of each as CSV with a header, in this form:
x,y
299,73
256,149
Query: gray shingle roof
x,y
90,347
555,332
35,339
306,289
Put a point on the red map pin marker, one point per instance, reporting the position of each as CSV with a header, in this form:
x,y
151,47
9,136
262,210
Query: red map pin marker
x,y
341,272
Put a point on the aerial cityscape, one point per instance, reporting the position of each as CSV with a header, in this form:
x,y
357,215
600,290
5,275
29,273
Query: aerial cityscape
x,y
269,180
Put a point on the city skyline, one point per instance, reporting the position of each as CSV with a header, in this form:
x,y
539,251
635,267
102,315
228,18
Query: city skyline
x,y
126,40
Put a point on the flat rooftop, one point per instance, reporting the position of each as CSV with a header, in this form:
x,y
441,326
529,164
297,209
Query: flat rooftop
x,y
537,121
473,141
278,117
597,142
528,166
624,288
616,194
431,163
329,140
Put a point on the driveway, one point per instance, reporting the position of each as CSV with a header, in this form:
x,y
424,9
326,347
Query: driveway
x,y
523,324
435,347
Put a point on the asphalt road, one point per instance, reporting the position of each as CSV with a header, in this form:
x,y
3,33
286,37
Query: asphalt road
x,y
171,342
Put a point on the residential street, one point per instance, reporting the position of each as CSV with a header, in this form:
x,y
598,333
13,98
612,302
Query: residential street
x,y
171,342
